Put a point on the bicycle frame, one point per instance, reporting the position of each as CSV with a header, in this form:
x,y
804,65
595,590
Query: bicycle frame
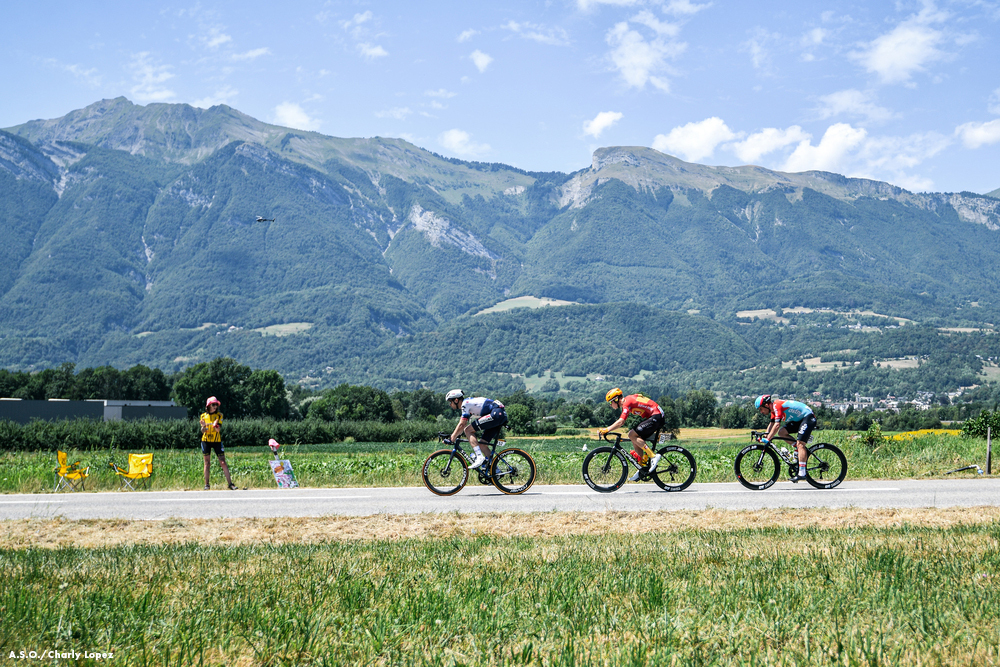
x,y
791,457
456,450
652,443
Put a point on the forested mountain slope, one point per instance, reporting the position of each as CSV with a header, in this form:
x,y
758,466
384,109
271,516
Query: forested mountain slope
x,y
139,234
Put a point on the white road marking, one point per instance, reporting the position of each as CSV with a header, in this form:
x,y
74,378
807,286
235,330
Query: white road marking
x,y
271,500
770,489
28,502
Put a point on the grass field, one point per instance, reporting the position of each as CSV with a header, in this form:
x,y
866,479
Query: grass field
x,y
774,587
559,461
713,588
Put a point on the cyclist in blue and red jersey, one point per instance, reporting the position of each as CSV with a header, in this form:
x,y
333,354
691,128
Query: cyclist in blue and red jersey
x,y
789,417
479,415
652,421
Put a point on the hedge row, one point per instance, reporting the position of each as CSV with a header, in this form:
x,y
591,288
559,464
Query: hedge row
x,y
150,435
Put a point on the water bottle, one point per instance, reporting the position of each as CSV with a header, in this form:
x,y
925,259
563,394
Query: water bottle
x,y
785,454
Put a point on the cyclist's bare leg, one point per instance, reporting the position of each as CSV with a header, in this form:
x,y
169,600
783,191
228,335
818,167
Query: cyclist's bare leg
x,y
803,450
639,445
474,441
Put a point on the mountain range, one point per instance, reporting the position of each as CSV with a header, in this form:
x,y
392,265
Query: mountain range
x,y
168,235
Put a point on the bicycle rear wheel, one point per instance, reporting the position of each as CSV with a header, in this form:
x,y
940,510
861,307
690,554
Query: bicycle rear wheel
x,y
676,469
757,467
513,471
826,466
445,473
605,469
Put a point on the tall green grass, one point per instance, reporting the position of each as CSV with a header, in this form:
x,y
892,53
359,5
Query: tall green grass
x,y
867,597
558,461
152,434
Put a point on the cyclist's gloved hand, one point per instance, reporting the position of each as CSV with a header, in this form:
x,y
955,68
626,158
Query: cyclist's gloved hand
x,y
447,441
765,441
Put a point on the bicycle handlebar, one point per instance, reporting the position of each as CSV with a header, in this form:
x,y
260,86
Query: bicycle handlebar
x,y
757,436
607,436
447,436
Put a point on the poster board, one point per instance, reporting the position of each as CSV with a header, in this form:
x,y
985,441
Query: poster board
x,y
283,474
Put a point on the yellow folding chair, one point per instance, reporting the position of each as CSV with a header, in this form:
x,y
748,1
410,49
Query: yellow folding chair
x,y
140,469
69,475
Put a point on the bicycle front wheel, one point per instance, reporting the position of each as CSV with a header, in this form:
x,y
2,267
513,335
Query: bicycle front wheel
x,y
445,473
676,469
757,467
826,466
605,469
513,471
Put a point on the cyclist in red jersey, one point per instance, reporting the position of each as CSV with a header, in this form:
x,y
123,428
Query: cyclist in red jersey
x,y
652,421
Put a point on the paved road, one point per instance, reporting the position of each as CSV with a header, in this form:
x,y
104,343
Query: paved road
x,y
414,500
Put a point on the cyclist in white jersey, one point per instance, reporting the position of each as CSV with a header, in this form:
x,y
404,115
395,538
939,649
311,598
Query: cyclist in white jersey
x,y
480,414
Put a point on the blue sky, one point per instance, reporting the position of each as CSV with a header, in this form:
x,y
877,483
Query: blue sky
x,y
906,92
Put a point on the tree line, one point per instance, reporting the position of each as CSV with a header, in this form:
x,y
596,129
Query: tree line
x,y
246,393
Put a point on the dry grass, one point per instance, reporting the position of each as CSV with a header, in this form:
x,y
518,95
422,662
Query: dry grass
x,y
59,533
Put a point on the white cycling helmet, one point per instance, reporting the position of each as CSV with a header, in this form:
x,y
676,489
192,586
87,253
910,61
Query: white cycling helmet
x,y
454,393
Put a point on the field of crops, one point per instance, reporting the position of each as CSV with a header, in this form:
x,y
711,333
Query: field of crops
x,y
857,595
559,461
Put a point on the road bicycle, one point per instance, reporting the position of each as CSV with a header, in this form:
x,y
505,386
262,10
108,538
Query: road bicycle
x,y
510,470
758,465
606,467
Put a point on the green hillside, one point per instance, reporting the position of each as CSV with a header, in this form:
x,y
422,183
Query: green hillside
x,y
131,236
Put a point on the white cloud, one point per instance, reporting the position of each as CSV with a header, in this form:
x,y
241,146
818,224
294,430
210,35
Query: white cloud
x,y
460,143
853,103
907,49
371,52
675,7
601,122
150,79
290,114
649,19
695,141
814,37
399,113
253,54
440,93
831,154
994,103
975,135
88,76
467,35
222,96
684,7
481,60
541,34
356,21
757,47
587,5
639,61
767,141
216,38
893,155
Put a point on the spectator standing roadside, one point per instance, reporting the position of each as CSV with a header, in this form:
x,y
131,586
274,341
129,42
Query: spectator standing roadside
x,y
211,439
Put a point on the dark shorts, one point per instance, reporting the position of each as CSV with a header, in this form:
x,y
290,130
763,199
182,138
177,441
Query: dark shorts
x,y
650,426
803,428
490,425
208,447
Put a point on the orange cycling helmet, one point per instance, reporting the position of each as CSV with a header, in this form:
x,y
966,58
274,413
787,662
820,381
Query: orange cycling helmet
x,y
613,394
